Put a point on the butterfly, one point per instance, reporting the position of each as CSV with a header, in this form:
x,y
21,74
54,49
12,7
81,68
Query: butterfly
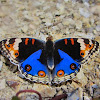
x,y
48,62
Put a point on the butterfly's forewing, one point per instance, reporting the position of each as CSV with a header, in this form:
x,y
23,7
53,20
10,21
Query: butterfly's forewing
x,y
69,53
29,55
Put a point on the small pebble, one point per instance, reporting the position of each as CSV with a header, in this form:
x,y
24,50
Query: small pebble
x,y
78,24
94,86
2,84
98,27
85,1
75,95
84,12
66,0
68,21
25,29
14,84
1,65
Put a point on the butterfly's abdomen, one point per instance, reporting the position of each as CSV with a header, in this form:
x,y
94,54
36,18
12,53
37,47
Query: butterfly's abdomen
x,y
50,54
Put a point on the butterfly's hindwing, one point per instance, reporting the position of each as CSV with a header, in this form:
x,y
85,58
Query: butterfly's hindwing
x,y
66,69
32,68
71,52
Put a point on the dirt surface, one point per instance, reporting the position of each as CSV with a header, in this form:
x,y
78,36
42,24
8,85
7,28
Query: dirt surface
x,y
60,19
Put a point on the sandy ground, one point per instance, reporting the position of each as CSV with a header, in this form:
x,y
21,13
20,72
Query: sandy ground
x,y
60,19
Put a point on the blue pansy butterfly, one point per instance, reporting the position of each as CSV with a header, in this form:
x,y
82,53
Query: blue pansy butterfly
x,y
48,62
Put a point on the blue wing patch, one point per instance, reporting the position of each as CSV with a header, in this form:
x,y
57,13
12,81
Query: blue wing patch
x,y
33,66
66,66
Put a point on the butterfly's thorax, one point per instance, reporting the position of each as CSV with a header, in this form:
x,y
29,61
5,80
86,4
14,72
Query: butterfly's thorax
x,y
50,54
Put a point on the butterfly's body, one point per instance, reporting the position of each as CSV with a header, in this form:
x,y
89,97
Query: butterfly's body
x,y
50,54
48,62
